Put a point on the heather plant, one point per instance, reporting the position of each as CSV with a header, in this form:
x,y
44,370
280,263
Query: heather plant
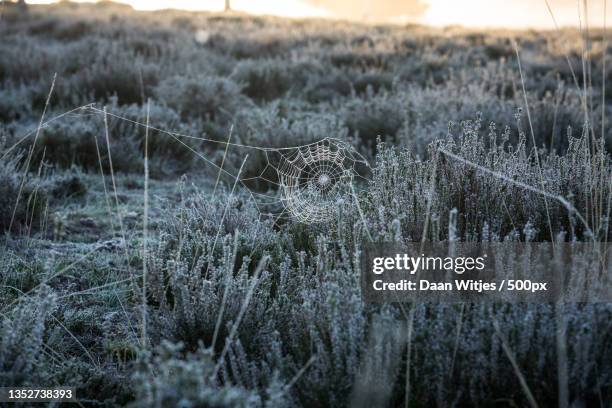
x,y
376,81
14,104
242,47
115,72
479,366
373,118
309,307
460,184
209,98
168,378
270,79
80,140
22,355
168,156
23,201
328,88
68,143
269,316
278,125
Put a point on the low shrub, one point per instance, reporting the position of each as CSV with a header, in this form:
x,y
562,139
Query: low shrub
x,y
276,127
66,185
71,30
375,81
22,339
170,378
208,98
370,119
263,80
242,46
484,201
23,201
15,104
81,140
328,88
114,72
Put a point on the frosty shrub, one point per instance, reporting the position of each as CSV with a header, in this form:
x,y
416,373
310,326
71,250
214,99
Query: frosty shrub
x,y
481,369
373,80
169,379
30,210
327,88
22,337
15,104
66,185
240,46
485,202
68,143
196,255
115,72
197,288
372,118
71,30
167,155
276,125
78,140
264,80
209,98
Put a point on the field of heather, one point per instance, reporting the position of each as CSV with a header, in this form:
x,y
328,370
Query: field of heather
x,y
153,254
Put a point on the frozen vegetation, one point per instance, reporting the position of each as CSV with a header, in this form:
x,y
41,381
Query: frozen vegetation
x,y
265,312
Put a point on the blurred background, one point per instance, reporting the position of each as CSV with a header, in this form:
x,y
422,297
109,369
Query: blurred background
x,y
469,13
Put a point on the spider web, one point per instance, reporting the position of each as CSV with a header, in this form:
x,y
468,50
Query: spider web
x,y
313,180
308,183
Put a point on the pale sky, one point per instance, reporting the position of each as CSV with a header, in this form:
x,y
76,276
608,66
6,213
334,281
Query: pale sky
x,y
470,13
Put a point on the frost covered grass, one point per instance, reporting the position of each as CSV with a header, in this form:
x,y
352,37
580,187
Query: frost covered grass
x,y
244,310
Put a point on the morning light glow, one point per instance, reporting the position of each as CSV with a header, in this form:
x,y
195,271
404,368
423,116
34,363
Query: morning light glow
x,y
469,13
